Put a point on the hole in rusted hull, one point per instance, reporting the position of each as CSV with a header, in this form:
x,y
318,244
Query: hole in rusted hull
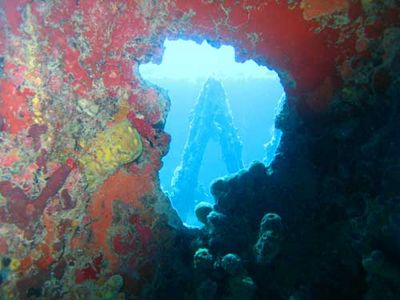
x,y
221,118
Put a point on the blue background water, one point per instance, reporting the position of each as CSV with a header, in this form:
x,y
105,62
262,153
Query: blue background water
x,y
253,94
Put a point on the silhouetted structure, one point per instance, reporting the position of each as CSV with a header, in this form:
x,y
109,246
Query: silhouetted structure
x,y
211,119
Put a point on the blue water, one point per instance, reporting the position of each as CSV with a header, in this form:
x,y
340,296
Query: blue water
x,y
253,93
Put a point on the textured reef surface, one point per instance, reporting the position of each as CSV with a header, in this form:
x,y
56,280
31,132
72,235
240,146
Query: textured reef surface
x,y
81,141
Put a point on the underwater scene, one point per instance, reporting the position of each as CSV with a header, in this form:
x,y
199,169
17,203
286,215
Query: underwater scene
x,y
199,150
221,118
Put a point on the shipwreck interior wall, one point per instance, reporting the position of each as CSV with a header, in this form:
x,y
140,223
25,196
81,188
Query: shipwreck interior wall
x,y
82,215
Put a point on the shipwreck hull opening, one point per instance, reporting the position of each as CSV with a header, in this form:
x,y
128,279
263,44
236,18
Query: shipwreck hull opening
x,y
82,213
221,118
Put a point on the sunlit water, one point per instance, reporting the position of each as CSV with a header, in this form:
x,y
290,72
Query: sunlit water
x,y
253,93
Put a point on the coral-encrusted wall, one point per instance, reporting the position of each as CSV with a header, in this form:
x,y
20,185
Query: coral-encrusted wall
x,y
82,215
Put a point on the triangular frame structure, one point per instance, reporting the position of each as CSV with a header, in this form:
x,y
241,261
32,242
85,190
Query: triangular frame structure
x,y
210,119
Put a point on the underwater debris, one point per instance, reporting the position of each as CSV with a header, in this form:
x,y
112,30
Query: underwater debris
x,y
211,119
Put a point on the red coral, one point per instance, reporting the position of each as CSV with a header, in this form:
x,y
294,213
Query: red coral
x,y
21,210
84,274
90,271
13,107
3,246
123,244
59,269
143,231
35,131
143,127
13,15
46,259
68,203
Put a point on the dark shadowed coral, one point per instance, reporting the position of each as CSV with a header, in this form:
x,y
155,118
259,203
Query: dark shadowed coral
x,y
377,264
269,238
207,290
271,222
201,210
240,288
267,247
232,264
203,260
